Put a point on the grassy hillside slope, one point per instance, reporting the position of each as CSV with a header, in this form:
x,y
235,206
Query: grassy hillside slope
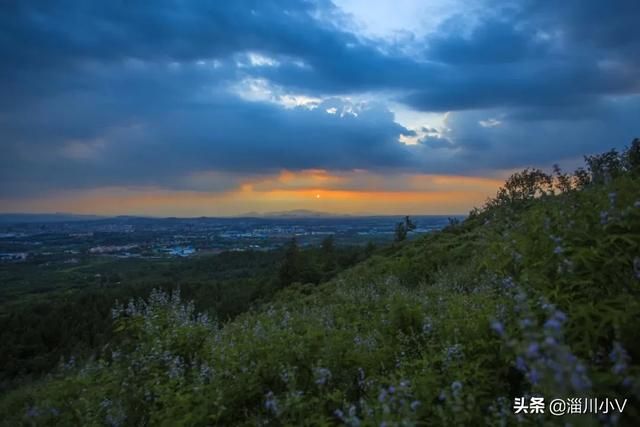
x,y
531,296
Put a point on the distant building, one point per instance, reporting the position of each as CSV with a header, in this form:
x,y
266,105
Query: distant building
x,y
182,251
110,249
13,256
87,234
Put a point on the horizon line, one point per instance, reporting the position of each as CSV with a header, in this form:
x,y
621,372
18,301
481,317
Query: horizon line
x,y
272,214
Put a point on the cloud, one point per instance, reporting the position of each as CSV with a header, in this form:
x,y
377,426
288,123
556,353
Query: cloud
x,y
437,142
533,52
174,139
485,43
553,137
201,95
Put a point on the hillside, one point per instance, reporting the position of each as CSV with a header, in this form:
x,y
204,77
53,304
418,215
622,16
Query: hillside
x,y
535,294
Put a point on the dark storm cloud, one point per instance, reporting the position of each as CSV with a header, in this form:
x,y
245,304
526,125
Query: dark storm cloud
x,y
69,33
73,30
501,139
139,93
485,43
534,53
596,24
522,54
69,144
121,93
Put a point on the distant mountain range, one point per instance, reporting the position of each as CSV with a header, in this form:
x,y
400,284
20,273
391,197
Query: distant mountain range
x,y
46,217
15,218
67,217
295,213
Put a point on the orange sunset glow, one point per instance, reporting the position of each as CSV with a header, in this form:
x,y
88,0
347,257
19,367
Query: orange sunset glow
x,y
314,190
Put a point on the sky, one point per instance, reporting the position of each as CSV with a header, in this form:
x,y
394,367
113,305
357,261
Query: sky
x,y
176,108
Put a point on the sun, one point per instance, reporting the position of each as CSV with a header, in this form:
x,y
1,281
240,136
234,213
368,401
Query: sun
x,y
317,196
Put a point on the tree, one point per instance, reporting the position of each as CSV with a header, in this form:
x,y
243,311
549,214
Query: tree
x,y
562,180
328,255
403,228
581,178
290,268
369,249
328,245
603,167
632,156
522,186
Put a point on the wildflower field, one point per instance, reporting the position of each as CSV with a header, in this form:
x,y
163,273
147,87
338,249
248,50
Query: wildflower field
x,y
535,294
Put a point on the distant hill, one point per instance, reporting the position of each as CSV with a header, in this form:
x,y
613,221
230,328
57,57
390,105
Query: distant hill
x,y
46,217
16,218
295,213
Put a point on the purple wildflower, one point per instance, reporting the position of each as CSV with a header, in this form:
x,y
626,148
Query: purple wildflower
x,y
497,327
323,375
553,324
271,403
619,357
534,376
526,322
533,349
604,217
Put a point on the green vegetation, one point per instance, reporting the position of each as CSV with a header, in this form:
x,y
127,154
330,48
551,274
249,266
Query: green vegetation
x,y
403,228
536,293
54,312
